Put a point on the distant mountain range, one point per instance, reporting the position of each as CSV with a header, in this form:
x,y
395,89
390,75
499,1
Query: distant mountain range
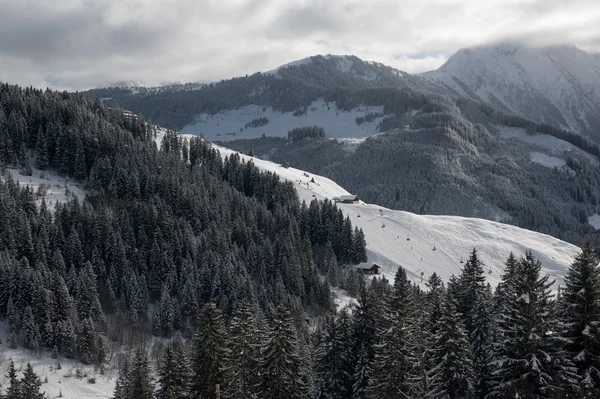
x,y
558,85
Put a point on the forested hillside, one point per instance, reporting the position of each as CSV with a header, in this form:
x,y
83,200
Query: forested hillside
x,y
160,233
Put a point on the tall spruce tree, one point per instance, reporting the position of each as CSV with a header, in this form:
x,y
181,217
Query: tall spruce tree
x,y
283,366
30,384
243,360
209,352
580,319
392,362
452,374
174,373
529,362
141,384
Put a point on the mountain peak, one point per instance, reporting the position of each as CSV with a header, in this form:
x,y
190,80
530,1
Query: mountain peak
x,y
555,84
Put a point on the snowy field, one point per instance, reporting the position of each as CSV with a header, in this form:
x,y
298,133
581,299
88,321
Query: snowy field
x,y
226,125
427,244
594,221
63,381
57,188
547,160
555,147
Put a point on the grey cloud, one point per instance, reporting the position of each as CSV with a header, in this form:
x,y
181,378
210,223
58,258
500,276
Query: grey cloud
x,y
77,44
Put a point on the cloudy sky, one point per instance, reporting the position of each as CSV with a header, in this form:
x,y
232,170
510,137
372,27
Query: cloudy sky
x,y
78,44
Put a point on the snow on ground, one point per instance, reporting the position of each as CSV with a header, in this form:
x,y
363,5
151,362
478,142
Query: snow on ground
x,y
226,125
55,185
424,244
594,221
343,299
61,380
555,146
547,160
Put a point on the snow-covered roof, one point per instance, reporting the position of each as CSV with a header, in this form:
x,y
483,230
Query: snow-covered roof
x,y
366,265
348,197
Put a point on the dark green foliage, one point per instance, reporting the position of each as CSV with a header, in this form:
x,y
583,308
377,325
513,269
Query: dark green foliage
x,y
209,352
301,133
257,122
174,373
30,384
580,319
283,365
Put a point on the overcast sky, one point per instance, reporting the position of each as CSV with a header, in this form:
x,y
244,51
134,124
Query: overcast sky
x,y
78,44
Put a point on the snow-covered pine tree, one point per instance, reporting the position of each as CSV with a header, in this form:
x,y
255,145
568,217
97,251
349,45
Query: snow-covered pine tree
x,y
452,374
30,384
14,389
123,384
528,361
141,384
243,360
31,331
580,319
392,354
174,373
362,374
282,363
209,352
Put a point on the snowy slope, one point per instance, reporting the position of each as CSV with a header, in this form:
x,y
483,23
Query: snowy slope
x,y
60,381
226,125
557,84
453,237
57,187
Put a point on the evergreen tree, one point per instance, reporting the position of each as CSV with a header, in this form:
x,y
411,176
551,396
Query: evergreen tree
x,y
173,373
31,339
282,364
14,390
580,319
209,352
528,361
362,374
123,384
30,385
140,383
392,354
243,360
452,373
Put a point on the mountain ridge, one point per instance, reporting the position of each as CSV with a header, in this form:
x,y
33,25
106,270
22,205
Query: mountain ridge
x,y
558,85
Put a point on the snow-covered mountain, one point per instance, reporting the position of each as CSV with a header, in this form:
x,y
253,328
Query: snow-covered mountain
x,y
558,85
424,244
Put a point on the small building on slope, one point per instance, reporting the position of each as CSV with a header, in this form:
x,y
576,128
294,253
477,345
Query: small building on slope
x,y
348,199
368,268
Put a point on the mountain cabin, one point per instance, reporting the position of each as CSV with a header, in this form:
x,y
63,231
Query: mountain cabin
x,y
348,199
368,268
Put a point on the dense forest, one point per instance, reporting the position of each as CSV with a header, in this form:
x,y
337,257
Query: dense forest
x,y
159,234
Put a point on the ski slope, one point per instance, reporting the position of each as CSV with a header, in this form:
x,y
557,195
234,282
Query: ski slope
x,y
387,233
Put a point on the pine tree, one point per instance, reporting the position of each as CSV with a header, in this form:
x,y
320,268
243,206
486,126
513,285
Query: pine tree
x,y
528,361
392,354
362,374
209,352
32,338
452,373
140,382
14,390
243,360
123,384
580,319
282,363
30,385
173,373
42,150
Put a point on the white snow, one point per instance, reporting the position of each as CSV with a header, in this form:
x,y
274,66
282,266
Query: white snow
x,y
529,80
55,185
226,125
275,71
59,381
594,221
342,299
547,160
453,237
554,146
